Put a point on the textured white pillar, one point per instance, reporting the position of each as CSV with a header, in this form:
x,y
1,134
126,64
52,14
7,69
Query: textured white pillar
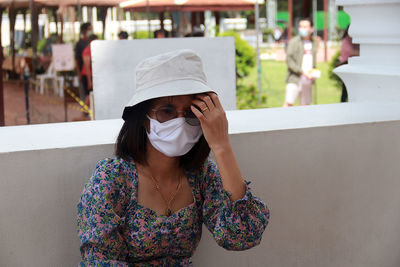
x,y
271,16
85,14
332,19
374,76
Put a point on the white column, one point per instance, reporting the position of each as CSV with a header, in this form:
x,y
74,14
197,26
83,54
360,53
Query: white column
x,y
374,76
271,16
94,14
332,19
85,14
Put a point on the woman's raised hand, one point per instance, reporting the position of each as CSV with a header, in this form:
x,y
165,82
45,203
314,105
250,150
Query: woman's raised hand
x,y
209,111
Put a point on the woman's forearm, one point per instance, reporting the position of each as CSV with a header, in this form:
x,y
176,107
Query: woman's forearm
x,y
232,179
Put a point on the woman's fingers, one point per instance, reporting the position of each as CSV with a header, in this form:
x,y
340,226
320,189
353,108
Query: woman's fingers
x,y
197,113
202,106
215,100
206,99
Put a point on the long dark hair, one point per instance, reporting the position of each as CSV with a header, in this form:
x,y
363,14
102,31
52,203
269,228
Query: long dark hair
x,y
132,139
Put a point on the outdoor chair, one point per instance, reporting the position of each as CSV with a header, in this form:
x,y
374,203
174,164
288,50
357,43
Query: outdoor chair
x,y
51,74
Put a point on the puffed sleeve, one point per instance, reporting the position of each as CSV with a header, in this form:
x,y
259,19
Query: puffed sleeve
x,y
235,225
101,216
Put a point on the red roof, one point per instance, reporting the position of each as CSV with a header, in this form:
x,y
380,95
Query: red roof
x,y
81,2
26,3
189,5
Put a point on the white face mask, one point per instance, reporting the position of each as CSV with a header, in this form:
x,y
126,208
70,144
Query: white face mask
x,y
173,138
303,32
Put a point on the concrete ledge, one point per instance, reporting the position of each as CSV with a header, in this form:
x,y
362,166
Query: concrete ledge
x,y
77,134
329,174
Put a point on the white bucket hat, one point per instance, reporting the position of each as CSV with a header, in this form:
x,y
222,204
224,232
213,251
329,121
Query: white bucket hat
x,y
174,73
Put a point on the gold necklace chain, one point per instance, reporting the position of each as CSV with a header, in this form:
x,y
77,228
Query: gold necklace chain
x,y
168,210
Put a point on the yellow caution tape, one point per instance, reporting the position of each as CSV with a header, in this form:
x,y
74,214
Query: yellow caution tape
x,y
83,106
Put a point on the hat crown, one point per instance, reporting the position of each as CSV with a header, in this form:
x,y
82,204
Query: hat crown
x,y
176,65
174,73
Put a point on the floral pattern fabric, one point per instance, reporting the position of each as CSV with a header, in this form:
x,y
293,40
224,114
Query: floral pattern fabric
x,y
115,230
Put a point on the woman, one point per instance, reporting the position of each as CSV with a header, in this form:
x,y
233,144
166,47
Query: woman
x,y
146,206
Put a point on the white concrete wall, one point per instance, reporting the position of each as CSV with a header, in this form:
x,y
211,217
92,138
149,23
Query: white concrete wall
x,y
114,64
329,174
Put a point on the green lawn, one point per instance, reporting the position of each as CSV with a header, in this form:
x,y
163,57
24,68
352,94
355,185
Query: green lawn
x,y
273,84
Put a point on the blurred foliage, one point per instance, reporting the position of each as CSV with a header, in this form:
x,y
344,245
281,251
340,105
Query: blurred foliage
x,y
44,45
245,55
267,32
41,44
141,35
248,97
335,62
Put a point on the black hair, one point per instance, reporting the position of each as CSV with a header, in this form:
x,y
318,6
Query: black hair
x,y
166,34
132,139
346,32
123,35
93,37
85,26
307,19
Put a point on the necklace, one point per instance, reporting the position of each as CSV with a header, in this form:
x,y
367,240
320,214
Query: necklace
x,y
168,210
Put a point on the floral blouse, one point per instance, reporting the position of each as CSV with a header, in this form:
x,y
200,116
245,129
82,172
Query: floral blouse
x,y
115,230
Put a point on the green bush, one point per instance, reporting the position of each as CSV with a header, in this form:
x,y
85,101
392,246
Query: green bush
x,y
245,55
335,62
142,35
41,44
247,97
267,32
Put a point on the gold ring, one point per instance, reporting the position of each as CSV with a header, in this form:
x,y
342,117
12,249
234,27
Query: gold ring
x,y
204,109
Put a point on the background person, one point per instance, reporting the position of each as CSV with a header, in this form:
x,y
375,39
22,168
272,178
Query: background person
x,y
86,72
301,56
85,31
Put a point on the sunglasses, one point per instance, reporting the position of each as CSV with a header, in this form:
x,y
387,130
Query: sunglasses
x,y
166,113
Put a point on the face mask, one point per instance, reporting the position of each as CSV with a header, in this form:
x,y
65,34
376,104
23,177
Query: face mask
x,y
173,138
88,33
303,32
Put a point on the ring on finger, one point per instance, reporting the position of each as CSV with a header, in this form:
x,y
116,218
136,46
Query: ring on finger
x,y
204,109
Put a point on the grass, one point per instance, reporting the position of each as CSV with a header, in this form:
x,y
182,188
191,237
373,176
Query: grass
x,y
273,84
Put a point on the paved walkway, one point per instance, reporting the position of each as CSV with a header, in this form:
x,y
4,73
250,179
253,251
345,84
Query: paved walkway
x,y
43,109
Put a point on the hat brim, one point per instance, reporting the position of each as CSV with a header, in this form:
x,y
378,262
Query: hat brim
x,y
172,88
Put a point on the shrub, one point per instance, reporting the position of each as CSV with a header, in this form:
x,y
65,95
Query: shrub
x,y
248,97
335,62
245,55
142,35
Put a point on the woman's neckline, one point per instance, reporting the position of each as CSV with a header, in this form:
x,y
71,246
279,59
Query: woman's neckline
x,y
135,183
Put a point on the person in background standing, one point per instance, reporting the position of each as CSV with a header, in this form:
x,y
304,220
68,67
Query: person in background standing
x,y
348,49
86,72
86,31
301,55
